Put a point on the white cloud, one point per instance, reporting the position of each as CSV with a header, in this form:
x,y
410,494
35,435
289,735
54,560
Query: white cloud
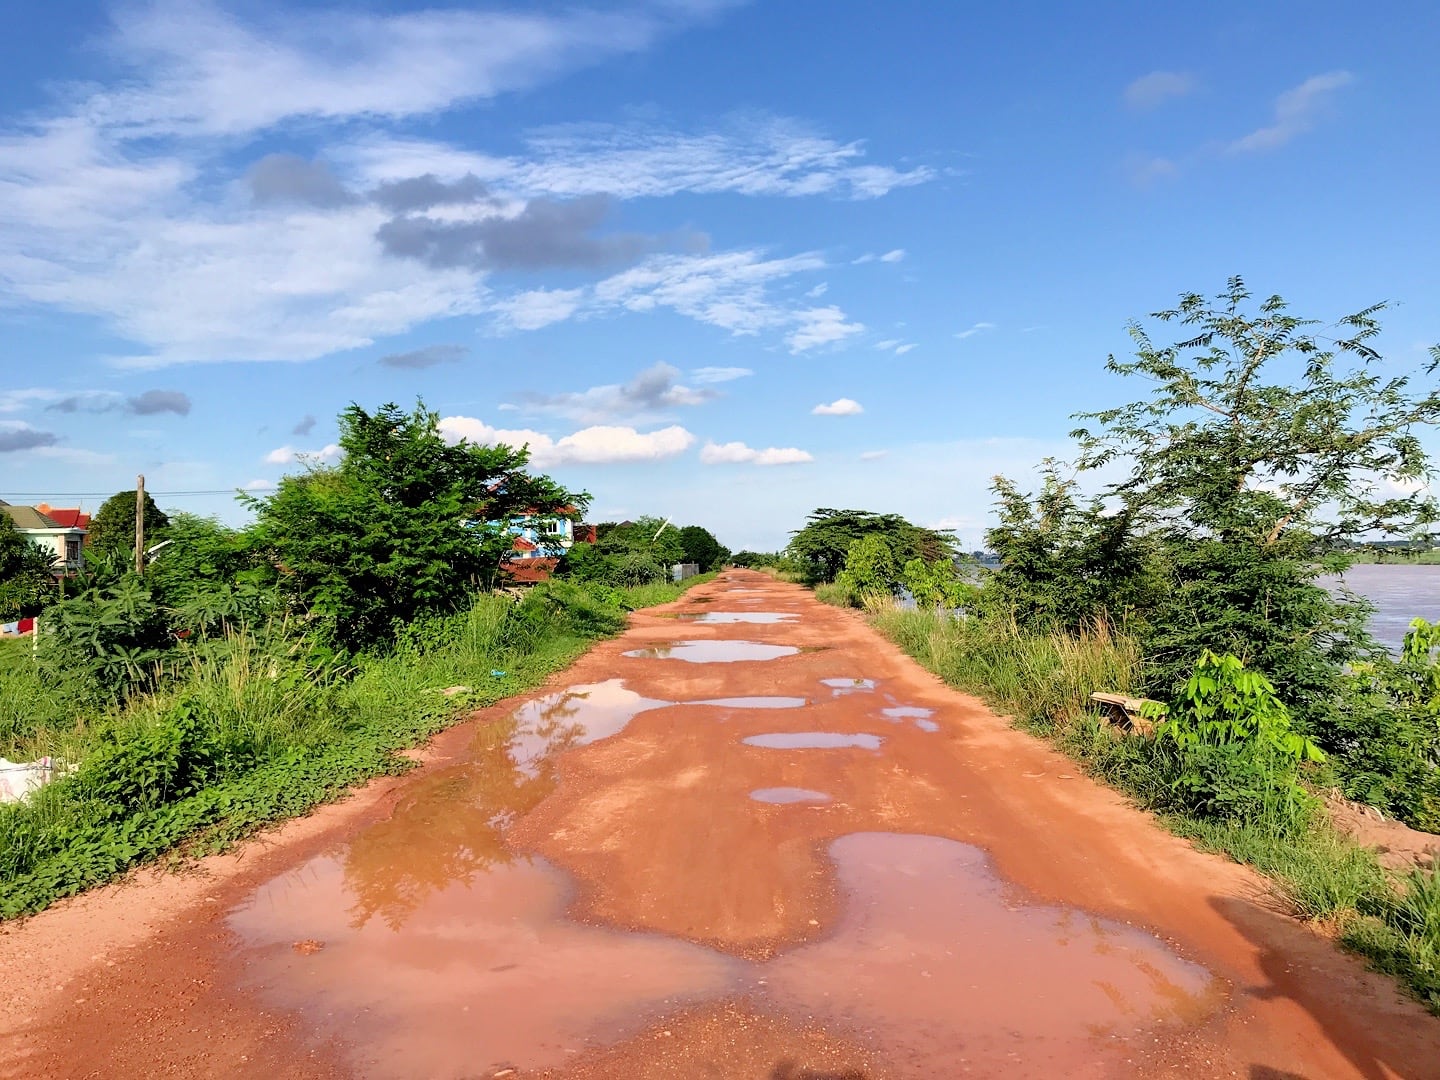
x,y
978,328
873,455
284,455
895,345
1153,90
72,455
258,485
820,326
598,445
737,453
818,291
1146,169
539,307
893,256
12,401
719,374
839,407
1295,112
901,350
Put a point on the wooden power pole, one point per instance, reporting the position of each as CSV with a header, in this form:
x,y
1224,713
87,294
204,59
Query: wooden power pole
x,y
140,524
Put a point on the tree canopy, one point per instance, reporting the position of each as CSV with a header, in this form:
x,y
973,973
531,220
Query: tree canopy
x,y
112,529
26,572
823,544
405,524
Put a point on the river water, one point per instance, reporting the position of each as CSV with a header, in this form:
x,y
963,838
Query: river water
x,y
1399,592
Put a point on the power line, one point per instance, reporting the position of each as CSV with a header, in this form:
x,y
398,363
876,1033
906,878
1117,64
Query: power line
x,y
107,494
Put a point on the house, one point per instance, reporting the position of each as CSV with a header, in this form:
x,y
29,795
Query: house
x,y
539,537
71,519
64,541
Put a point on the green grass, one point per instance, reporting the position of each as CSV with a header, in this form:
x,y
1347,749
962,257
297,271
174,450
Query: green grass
x,y
840,595
1409,558
1044,681
257,731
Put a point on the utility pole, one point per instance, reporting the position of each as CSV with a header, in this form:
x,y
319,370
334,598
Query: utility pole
x,y
140,525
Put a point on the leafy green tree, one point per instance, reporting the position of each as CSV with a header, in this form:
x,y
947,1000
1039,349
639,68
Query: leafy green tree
x,y
700,546
405,524
27,573
823,544
937,584
871,567
1263,441
112,529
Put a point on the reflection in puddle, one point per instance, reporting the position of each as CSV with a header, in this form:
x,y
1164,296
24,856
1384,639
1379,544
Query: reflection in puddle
x,y
491,975
850,686
788,795
939,963
921,716
714,652
813,740
576,716
736,616
935,962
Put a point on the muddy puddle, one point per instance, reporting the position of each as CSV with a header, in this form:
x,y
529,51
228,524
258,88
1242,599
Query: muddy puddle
x,y
765,617
946,970
814,740
784,795
489,975
714,652
573,717
774,702
936,966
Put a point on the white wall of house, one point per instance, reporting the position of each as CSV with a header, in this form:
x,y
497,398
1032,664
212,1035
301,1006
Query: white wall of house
x,y
64,544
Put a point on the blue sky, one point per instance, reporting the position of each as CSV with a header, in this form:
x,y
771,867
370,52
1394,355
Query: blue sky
x,y
724,261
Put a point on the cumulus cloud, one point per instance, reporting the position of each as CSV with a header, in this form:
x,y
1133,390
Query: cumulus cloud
x,y
820,326
597,445
737,453
977,328
719,374
429,356
1153,90
1296,111
839,407
149,403
654,392
16,436
284,455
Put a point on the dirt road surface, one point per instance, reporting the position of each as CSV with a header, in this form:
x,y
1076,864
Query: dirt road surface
x,y
750,839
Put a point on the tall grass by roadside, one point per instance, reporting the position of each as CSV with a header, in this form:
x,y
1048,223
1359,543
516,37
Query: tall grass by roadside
x,y
1044,681
258,729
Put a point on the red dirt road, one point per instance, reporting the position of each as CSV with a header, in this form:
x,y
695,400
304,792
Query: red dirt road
x,y
758,844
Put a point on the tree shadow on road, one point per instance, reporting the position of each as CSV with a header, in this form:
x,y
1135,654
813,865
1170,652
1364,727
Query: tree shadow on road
x,y
1379,1042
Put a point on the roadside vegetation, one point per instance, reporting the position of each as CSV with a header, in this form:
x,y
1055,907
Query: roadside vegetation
x,y
252,674
1265,443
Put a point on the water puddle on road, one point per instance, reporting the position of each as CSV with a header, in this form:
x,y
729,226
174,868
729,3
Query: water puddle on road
x,y
714,652
788,795
737,616
937,963
813,740
921,716
486,976
755,702
573,717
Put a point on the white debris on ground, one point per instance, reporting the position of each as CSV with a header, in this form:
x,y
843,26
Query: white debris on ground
x,y
20,779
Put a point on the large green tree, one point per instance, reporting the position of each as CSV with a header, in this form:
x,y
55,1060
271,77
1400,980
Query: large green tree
x,y
405,524
1263,439
112,529
27,573
823,544
701,547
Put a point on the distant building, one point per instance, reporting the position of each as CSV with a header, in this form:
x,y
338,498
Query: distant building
x,y
538,537
61,537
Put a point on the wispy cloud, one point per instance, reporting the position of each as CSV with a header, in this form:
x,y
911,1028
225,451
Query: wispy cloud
x,y
1296,111
737,453
977,328
429,356
820,326
1144,170
719,374
818,291
597,445
893,256
1153,90
839,407
149,403
873,455
285,455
